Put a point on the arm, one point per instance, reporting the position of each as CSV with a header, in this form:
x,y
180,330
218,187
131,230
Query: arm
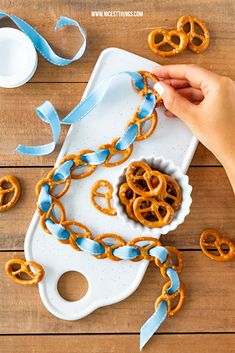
x,y
205,101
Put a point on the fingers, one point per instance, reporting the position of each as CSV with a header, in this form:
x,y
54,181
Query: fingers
x,y
195,75
176,83
192,94
171,115
176,103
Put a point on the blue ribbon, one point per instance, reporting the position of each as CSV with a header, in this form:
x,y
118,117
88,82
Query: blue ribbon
x,y
47,113
42,45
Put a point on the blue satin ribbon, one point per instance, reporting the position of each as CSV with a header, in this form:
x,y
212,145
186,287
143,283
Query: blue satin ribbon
x,y
47,113
42,45
44,199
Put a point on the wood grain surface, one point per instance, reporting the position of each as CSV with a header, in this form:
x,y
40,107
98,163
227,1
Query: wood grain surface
x,y
207,322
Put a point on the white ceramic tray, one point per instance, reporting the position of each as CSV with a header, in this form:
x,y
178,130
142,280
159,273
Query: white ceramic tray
x,y
109,282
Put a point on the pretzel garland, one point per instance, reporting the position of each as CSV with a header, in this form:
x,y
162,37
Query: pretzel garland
x,y
77,166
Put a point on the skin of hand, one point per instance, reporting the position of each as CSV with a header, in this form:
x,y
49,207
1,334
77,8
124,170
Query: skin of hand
x,y
205,101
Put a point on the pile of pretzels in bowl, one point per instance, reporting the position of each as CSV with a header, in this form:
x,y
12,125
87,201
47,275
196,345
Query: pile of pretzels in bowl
x,y
152,195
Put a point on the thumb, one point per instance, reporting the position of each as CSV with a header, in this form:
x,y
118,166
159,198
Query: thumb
x,y
174,102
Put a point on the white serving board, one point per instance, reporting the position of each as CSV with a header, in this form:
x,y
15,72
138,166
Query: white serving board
x,y
109,282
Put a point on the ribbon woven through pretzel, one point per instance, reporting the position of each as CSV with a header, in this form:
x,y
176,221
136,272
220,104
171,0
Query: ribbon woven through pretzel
x,y
110,246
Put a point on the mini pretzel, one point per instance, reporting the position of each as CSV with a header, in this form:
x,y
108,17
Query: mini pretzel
x,y
172,194
25,268
144,251
171,308
167,39
53,183
110,248
192,34
108,195
174,260
127,197
4,191
113,151
161,213
147,89
149,183
78,162
50,214
84,232
140,124
216,244
126,194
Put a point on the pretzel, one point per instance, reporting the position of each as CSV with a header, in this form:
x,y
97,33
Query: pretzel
x,y
126,194
113,151
212,239
78,162
24,267
144,251
161,213
146,89
127,197
140,122
108,195
148,183
192,34
4,191
53,184
167,39
83,233
110,248
180,294
172,193
50,214
174,260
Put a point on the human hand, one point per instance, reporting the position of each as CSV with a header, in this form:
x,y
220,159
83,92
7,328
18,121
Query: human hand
x,y
205,101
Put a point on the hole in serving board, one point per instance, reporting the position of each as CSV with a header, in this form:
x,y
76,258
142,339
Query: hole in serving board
x,y
72,286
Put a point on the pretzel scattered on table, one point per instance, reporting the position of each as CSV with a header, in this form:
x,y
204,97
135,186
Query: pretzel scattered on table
x,y
167,38
212,239
107,195
31,269
160,37
193,35
14,188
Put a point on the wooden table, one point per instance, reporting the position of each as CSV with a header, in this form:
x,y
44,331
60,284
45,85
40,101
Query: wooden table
x,y
207,321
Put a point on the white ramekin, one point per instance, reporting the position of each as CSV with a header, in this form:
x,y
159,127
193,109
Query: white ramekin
x,y
168,167
18,59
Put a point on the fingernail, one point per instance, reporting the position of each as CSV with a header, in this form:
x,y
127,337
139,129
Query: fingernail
x,y
159,88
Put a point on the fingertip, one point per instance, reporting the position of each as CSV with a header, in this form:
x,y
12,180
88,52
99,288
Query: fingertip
x,y
169,114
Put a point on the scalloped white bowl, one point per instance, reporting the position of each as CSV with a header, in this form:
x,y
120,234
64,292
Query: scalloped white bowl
x,y
168,167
